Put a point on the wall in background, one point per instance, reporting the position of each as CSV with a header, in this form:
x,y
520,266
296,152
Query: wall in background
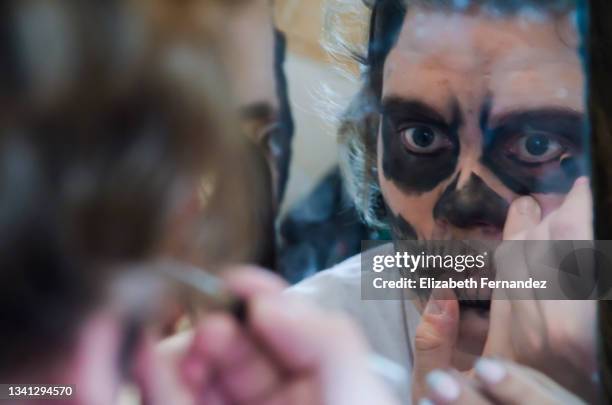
x,y
309,70
314,146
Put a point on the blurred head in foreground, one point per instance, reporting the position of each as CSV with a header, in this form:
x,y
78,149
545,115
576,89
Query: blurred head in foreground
x,y
113,135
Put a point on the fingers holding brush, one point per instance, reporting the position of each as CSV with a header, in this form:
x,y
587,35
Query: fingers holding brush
x,y
225,361
274,347
241,369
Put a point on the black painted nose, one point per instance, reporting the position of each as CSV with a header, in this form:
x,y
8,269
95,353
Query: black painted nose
x,y
473,205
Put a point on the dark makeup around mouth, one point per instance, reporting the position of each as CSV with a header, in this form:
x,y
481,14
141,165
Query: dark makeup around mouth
x,y
478,300
481,306
469,299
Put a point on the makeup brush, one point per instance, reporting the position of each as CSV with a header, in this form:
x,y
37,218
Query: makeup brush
x,y
210,286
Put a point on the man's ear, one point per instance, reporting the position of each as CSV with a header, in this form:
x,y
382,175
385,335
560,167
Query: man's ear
x,y
94,368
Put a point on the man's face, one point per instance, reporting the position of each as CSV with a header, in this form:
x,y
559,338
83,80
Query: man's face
x,y
476,111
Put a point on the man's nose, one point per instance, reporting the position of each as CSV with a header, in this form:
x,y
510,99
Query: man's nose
x,y
474,204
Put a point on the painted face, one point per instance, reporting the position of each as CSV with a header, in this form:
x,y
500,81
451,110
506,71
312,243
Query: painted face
x,y
476,111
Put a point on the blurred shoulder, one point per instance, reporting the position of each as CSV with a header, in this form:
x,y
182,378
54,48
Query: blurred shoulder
x,y
387,324
336,287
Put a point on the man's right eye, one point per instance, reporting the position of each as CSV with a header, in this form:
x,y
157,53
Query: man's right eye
x,y
423,139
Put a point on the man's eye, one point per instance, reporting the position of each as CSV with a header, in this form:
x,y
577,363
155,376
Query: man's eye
x,y
424,139
537,148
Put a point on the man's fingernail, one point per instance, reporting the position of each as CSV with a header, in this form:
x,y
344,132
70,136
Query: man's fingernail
x,y
490,371
443,385
526,205
425,401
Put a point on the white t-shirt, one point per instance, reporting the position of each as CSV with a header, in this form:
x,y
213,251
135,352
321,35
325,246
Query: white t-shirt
x,y
389,325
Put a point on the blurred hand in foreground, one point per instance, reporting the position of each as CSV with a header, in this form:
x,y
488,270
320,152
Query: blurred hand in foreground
x,y
287,353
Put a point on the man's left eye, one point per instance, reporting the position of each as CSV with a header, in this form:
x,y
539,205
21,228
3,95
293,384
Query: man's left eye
x,y
536,148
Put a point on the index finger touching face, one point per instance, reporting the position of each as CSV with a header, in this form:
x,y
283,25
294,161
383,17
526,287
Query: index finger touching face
x,y
574,219
524,215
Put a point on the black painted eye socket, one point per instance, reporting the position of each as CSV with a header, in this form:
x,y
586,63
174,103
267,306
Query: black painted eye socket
x,y
536,148
423,139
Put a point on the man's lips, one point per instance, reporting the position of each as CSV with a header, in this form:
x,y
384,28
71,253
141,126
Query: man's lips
x,y
474,298
480,305
482,232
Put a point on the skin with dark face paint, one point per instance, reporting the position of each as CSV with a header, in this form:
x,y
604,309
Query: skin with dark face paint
x,y
491,105
475,112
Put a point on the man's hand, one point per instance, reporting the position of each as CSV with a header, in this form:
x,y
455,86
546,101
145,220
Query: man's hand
x,y
555,337
288,353
496,382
